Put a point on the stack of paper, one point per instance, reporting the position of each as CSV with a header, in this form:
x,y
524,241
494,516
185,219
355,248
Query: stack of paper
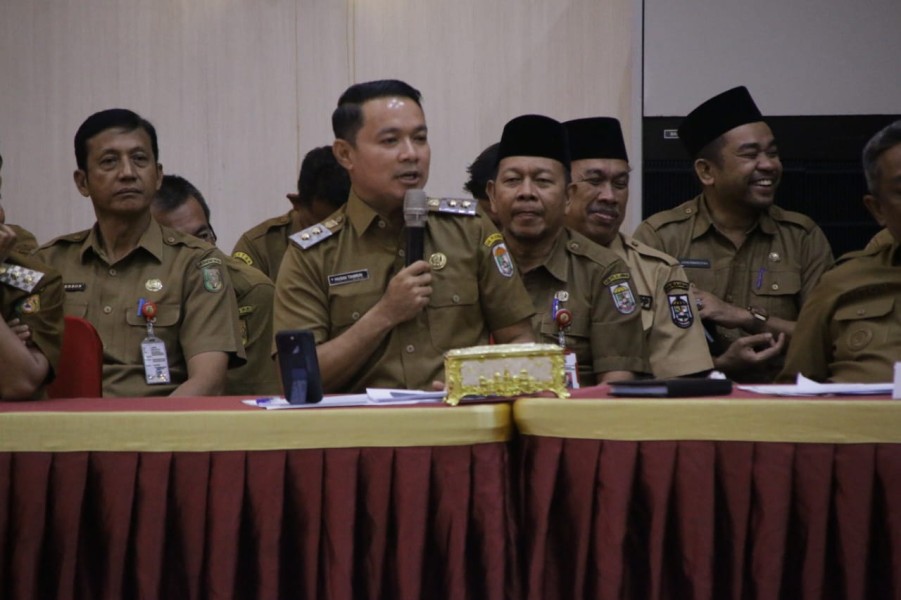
x,y
372,397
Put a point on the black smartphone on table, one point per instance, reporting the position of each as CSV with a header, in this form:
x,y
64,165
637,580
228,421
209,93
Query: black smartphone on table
x,y
299,366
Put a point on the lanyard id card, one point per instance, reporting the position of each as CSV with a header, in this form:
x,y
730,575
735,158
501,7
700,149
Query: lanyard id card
x,y
563,317
153,349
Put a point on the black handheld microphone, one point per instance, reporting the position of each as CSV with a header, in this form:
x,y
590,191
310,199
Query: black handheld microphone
x,y
416,211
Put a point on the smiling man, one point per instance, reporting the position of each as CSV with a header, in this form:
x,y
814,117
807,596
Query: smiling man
x,y
582,292
377,322
753,263
160,300
600,170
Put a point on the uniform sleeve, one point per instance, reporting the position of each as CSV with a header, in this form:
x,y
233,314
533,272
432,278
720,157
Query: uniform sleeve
x,y
676,342
810,349
817,259
259,375
46,323
617,335
301,300
210,322
503,296
244,247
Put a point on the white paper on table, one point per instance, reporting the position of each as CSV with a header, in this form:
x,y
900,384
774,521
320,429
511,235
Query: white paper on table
x,y
808,387
394,396
372,397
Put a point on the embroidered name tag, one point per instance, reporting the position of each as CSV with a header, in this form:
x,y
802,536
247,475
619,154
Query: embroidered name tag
x,y
75,287
695,263
349,277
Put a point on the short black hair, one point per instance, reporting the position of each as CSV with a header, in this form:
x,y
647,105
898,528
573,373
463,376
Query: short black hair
x,y
347,119
113,118
713,151
175,191
482,170
322,176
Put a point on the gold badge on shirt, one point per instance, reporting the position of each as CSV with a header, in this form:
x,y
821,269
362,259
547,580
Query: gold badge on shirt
x,y
438,261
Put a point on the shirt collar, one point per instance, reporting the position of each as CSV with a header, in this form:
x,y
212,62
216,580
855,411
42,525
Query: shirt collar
x,y
556,261
704,220
151,241
360,214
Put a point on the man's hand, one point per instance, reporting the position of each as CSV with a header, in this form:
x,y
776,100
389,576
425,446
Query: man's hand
x,y
7,241
407,294
711,308
749,351
22,331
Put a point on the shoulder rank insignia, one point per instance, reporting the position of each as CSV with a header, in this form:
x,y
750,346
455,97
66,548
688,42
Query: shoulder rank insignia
x,y
19,277
306,238
455,206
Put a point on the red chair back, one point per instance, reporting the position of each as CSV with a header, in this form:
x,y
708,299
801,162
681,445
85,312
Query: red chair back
x,y
80,370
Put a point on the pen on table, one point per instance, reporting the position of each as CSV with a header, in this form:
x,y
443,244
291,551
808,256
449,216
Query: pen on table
x,y
264,401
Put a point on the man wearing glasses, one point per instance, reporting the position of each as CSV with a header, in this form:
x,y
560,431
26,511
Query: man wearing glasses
x,y
181,206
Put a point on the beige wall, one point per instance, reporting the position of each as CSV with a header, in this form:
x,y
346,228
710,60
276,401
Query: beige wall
x,y
239,90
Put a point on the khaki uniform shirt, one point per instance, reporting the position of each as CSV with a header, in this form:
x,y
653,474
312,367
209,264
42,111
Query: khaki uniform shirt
x,y
183,275
849,330
264,246
41,308
674,336
776,268
253,292
880,239
25,240
333,282
595,285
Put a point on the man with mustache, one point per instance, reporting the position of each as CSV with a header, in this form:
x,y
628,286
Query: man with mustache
x,y
582,292
754,264
377,322
160,300
600,171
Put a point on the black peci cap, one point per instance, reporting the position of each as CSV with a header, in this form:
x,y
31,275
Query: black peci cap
x,y
716,116
534,135
596,137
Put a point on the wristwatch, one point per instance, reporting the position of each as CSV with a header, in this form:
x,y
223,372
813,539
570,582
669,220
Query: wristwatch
x,y
761,316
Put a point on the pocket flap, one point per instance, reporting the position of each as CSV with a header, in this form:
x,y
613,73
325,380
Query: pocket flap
x,y
167,315
777,283
865,309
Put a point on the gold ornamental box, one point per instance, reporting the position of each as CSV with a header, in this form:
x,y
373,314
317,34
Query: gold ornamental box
x,y
504,370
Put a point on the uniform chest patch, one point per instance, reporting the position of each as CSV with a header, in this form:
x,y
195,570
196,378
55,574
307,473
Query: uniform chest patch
x,y
349,277
680,310
623,299
29,305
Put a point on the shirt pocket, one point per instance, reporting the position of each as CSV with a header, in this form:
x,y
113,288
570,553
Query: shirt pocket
x,y
578,335
862,325
164,327
777,292
454,314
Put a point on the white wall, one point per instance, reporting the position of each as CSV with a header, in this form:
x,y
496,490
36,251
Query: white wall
x,y
239,90
803,57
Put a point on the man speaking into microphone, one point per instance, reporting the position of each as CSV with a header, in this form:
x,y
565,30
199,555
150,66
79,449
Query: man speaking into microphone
x,y
380,318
